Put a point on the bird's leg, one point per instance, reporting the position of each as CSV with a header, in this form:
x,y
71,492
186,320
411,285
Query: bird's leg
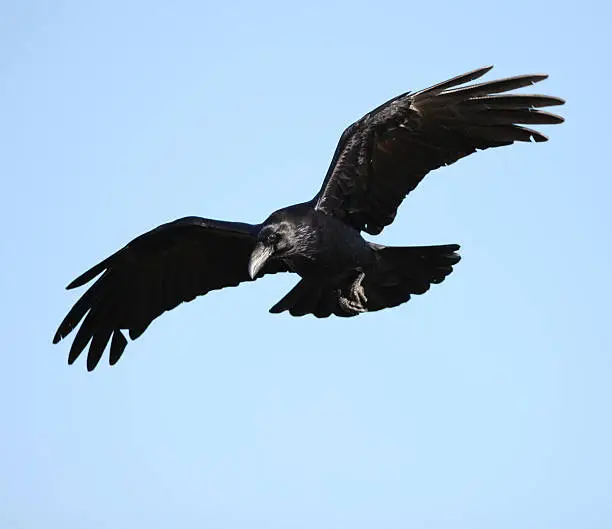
x,y
355,301
358,292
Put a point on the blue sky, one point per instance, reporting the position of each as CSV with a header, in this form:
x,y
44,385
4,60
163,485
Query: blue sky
x,y
483,404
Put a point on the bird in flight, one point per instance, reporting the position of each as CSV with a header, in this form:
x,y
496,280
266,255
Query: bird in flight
x,y
379,160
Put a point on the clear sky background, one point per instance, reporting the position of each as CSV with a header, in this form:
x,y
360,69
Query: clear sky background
x,y
483,404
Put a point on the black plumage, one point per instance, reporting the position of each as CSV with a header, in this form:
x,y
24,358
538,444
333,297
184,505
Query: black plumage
x,y
378,161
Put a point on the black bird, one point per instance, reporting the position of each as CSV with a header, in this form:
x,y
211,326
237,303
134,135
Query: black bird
x,y
378,161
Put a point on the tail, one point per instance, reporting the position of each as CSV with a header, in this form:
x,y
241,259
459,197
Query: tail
x,y
399,273
404,271
310,298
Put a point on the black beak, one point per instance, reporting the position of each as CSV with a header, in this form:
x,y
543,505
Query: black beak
x,y
259,256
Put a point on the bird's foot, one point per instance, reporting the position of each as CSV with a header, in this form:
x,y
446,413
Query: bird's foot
x,y
354,302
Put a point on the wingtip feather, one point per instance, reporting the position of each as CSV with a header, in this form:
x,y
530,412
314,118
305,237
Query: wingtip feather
x,y
90,274
83,278
118,344
454,81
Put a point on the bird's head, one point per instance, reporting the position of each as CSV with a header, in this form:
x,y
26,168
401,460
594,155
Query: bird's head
x,y
275,240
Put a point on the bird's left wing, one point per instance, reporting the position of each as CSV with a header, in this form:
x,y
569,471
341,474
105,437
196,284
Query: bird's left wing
x,y
154,273
384,155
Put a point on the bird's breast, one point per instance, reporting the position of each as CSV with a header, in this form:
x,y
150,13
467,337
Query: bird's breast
x,y
335,257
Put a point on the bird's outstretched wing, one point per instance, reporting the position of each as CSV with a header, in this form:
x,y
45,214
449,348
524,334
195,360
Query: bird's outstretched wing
x,y
384,155
154,273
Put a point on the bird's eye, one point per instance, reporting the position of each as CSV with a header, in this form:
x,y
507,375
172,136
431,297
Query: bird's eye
x,y
273,238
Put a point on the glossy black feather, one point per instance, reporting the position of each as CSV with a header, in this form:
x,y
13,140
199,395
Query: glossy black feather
x,y
378,160
171,264
413,134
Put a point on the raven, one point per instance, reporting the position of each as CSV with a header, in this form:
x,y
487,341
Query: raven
x,y
379,160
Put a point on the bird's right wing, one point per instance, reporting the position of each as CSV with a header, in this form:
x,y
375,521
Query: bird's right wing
x,y
384,155
154,273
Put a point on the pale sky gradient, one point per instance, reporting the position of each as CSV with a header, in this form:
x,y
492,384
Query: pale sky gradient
x,y
484,404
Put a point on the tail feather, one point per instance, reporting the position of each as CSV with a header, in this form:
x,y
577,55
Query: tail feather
x,y
399,273
309,298
404,271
